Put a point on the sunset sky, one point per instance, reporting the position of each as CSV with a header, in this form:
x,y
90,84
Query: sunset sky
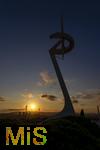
x,y
26,72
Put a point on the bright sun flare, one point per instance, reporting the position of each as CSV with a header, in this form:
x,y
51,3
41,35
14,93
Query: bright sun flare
x,y
33,107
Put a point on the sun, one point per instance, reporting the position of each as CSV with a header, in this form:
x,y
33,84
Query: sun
x,y
33,107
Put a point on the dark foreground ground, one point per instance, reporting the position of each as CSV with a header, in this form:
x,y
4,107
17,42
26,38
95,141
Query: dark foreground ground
x,y
71,133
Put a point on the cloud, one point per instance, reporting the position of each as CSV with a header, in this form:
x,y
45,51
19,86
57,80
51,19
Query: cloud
x,y
69,81
28,95
74,100
2,99
16,109
46,79
89,95
49,97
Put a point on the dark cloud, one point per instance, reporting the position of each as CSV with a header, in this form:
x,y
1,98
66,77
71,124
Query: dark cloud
x,y
2,99
84,96
75,101
17,109
49,97
88,95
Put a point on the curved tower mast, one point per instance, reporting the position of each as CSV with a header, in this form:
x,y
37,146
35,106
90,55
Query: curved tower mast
x,y
68,109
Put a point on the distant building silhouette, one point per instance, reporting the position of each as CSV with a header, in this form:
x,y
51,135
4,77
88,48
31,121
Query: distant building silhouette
x,y
98,109
82,113
26,108
26,114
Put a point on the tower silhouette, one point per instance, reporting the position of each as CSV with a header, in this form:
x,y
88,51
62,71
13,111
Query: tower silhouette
x,y
98,109
60,49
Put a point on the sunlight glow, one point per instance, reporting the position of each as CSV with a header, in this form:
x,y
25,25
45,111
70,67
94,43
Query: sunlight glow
x,y
32,107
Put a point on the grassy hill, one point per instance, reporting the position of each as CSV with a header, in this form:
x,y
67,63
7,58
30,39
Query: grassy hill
x,y
74,133
70,133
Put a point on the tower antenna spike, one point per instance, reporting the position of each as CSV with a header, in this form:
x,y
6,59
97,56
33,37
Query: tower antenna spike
x,y
62,24
62,32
